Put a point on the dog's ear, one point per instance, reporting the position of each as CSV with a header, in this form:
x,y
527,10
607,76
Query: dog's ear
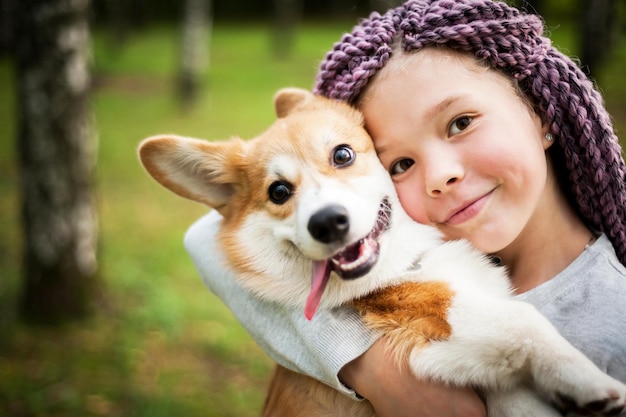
x,y
289,99
192,168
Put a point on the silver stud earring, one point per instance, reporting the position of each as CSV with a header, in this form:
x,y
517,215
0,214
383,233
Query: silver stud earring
x,y
549,137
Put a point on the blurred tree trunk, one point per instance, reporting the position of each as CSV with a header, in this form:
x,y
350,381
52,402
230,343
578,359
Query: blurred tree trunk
x,y
196,28
56,147
532,6
381,6
6,25
119,25
286,19
599,29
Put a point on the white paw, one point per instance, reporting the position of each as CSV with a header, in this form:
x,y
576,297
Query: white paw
x,y
598,395
610,401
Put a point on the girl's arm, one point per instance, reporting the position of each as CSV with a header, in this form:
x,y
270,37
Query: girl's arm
x,y
395,392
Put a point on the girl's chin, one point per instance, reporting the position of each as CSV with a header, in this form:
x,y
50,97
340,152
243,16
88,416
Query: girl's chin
x,y
486,242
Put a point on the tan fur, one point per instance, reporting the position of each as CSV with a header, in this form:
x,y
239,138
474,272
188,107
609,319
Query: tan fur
x,y
293,395
410,315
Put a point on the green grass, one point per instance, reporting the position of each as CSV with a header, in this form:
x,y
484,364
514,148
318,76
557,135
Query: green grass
x,y
161,344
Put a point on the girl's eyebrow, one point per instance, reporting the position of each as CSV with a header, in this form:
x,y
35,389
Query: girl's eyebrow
x,y
442,105
429,114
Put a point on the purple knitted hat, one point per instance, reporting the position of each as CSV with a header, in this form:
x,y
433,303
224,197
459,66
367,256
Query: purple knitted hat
x,y
587,151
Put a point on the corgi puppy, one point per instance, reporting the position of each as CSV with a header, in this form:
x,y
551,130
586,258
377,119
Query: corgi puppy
x,y
311,220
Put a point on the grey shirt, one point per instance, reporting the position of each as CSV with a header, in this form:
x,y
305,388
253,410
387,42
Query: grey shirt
x,y
586,302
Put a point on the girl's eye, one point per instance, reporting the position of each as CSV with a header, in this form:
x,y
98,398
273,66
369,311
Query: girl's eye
x,y
459,124
279,192
401,166
342,156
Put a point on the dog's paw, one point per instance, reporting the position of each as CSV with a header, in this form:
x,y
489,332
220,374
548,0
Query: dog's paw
x,y
574,383
610,401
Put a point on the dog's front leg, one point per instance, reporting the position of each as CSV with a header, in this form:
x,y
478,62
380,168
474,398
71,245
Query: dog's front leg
x,y
501,344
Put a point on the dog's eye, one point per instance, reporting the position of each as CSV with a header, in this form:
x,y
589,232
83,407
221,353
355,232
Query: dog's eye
x,y
279,192
343,156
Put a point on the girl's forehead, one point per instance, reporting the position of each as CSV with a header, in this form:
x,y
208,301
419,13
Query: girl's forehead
x,y
433,66
432,59
422,86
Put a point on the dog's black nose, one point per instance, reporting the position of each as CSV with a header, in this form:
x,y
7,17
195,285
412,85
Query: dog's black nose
x,y
329,224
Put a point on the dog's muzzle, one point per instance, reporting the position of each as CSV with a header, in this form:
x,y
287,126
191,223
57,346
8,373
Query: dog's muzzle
x,y
331,224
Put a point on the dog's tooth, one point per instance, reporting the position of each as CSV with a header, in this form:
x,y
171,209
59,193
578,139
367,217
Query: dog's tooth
x,y
366,253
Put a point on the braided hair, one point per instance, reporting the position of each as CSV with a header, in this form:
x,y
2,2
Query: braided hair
x,y
588,155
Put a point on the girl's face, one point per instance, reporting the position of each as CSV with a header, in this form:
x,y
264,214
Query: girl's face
x,y
466,154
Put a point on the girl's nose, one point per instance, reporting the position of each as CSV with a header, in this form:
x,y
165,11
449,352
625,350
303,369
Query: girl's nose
x,y
436,190
441,174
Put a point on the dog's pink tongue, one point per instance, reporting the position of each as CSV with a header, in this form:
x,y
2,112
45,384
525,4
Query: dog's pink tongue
x,y
321,273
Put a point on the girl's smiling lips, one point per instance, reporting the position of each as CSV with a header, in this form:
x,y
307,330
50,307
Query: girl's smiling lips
x,y
467,210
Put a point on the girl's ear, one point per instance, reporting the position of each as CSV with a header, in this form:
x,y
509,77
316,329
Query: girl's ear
x,y
548,138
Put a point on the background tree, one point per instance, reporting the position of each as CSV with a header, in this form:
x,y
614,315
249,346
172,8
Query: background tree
x,y
286,18
382,5
599,21
6,25
532,6
196,28
56,148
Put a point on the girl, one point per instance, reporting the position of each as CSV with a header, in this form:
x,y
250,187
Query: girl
x,y
492,135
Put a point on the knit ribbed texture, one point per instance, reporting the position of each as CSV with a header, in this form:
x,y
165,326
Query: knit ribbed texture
x,y
512,42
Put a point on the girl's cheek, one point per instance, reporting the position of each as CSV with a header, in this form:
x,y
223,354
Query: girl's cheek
x,y
413,204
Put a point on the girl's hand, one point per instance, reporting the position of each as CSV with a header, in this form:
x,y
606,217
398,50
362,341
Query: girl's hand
x,y
396,392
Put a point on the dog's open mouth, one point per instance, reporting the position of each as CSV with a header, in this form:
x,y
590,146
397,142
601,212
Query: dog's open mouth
x,y
353,261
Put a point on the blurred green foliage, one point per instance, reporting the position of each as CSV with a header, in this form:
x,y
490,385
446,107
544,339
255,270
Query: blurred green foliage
x,y
161,344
